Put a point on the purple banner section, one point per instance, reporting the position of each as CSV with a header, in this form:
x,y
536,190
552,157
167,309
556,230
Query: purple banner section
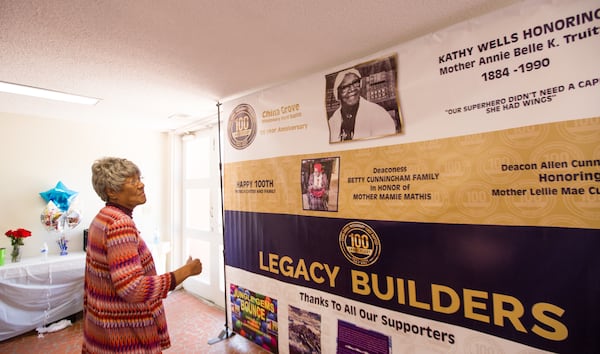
x,y
352,339
539,286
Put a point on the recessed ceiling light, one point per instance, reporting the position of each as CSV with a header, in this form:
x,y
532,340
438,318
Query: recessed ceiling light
x,y
43,93
187,136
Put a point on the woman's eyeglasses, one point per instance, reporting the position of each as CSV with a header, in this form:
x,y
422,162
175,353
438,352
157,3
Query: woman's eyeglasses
x,y
134,181
353,85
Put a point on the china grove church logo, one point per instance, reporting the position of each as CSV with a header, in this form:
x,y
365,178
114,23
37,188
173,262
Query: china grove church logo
x,y
359,243
242,126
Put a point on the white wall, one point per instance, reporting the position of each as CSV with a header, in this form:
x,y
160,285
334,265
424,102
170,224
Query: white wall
x,y
38,152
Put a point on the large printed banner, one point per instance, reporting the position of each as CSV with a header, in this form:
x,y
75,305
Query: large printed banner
x,y
441,196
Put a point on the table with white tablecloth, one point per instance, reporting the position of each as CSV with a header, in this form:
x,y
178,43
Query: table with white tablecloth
x,y
38,291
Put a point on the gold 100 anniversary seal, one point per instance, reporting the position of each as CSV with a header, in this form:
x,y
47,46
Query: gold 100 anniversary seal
x,y
359,243
241,127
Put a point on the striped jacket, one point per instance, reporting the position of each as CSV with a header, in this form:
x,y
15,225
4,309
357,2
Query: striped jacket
x,y
123,310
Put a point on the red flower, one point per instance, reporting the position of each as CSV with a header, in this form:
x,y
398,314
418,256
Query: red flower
x,y
18,233
17,236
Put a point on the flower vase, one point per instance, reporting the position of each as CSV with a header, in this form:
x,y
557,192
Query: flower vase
x,y
15,255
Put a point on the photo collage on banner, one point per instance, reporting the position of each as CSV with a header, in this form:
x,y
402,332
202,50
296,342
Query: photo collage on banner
x,y
254,316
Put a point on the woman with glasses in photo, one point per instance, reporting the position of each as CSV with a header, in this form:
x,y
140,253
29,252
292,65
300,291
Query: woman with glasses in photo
x,y
357,118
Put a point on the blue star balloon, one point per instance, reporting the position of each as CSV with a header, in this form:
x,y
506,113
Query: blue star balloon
x,y
60,195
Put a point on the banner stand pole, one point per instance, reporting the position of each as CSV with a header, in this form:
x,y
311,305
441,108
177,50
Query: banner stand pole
x,y
226,333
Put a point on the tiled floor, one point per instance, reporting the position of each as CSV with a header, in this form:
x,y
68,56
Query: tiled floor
x,y
192,323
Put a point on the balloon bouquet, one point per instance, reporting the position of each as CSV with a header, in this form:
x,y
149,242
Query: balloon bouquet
x,y
60,214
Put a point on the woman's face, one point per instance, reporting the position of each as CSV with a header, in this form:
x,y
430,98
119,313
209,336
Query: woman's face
x,y
131,195
349,89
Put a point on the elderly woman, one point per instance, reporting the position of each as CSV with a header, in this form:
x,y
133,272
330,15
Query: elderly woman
x,y
317,188
123,310
357,118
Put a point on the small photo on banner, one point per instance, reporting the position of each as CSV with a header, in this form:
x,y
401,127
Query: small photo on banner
x,y
305,331
353,339
362,101
254,316
319,183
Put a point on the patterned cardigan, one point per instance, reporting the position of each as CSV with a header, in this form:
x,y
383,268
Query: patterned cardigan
x,y
122,303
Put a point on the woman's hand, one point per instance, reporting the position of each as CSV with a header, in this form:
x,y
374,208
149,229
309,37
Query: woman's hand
x,y
195,266
191,267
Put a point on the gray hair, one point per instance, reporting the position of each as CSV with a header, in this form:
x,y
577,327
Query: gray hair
x,y
340,77
110,173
